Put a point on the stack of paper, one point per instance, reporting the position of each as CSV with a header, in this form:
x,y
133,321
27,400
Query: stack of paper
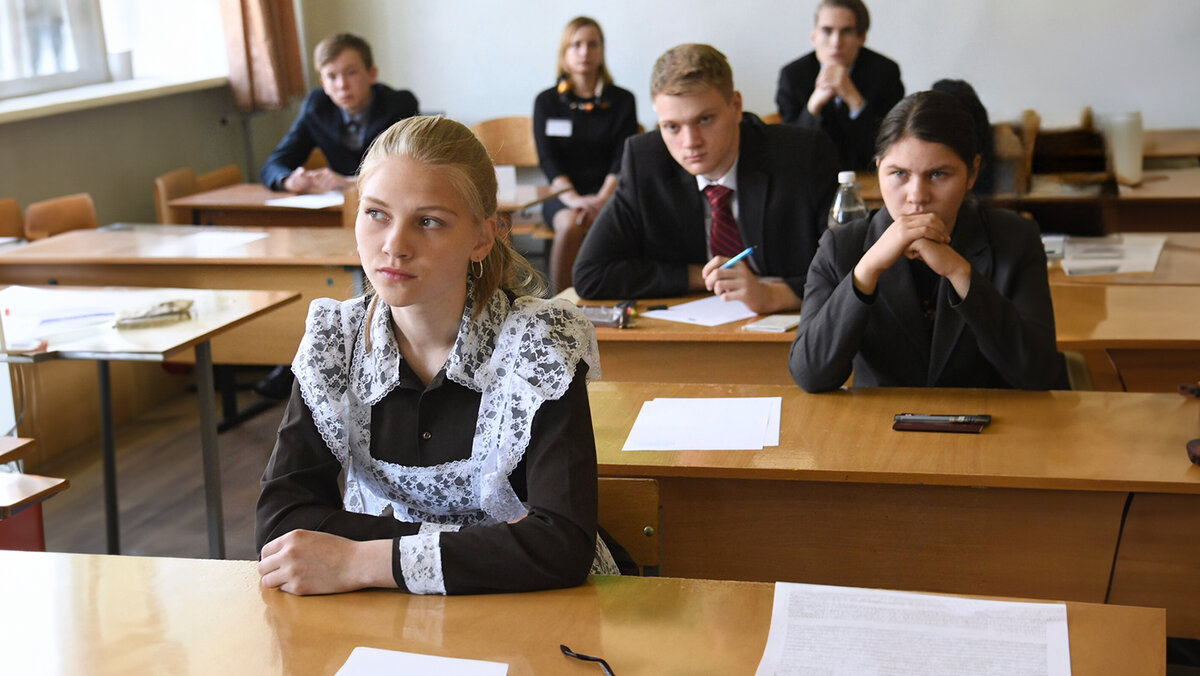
x,y
711,311
1111,255
842,630
714,424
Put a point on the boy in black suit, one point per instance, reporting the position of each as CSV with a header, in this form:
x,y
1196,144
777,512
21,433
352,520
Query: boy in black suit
x,y
709,182
841,87
341,118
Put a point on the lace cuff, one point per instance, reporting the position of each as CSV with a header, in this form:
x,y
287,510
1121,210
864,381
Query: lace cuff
x,y
421,563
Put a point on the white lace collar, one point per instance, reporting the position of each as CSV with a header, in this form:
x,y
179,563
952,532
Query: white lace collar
x,y
517,355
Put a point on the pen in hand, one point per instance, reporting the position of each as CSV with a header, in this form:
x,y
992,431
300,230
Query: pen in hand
x,y
733,261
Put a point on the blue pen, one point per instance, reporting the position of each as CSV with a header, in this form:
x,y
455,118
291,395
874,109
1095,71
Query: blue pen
x,y
733,261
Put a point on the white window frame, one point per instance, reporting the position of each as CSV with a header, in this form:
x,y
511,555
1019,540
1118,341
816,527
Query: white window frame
x,y
88,37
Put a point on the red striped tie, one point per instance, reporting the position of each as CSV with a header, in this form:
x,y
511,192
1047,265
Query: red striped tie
x,y
724,239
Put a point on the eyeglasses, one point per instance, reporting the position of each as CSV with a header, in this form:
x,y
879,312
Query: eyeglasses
x,y
587,658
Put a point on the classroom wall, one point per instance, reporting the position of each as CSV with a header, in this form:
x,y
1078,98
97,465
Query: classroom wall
x,y
475,59
114,152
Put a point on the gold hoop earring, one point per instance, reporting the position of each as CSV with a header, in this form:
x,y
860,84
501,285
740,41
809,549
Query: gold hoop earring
x,y
479,269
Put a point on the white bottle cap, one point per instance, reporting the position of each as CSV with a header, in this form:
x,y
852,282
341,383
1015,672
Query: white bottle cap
x,y
845,177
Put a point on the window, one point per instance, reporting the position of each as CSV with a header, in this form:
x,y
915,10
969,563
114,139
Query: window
x,y
50,44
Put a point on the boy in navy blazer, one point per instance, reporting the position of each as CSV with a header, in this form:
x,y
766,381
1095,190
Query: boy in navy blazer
x,y
841,87
341,118
707,183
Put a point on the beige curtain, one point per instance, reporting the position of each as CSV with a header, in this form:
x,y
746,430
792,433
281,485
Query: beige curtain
x,y
261,40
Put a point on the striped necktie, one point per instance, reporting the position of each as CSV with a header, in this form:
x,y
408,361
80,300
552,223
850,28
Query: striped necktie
x,y
724,239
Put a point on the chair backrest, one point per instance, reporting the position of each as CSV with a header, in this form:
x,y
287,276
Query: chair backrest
x,y
316,160
1030,122
11,224
177,183
629,509
219,178
773,118
509,140
61,214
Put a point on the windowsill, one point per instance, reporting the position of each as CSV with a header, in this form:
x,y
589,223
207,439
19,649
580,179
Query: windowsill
x,y
99,95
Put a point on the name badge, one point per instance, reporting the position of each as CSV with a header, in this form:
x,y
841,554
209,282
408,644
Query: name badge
x,y
557,126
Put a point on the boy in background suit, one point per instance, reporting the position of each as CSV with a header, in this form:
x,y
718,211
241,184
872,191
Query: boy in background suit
x,y
707,183
341,118
841,87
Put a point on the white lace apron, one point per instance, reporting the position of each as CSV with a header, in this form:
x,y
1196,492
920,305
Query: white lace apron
x,y
516,355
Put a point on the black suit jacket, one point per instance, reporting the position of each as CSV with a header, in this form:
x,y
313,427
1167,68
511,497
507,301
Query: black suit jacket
x,y
1001,335
319,125
875,76
653,227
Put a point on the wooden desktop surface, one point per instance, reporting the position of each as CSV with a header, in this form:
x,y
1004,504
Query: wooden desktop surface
x,y
315,262
1171,142
246,204
1034,506
212,313
1178,264
15,448
1165,184
116,615
1158,340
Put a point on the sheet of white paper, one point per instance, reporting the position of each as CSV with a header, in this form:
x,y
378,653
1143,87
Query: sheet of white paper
x,y
710,311
214,243
1111,255
62,316
716,424
843,630
320,201
1055,245
506,183
374,661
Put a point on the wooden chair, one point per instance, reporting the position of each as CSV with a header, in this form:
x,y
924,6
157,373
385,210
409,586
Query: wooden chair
x,y
219,178
58,215
173,184
21,497
773,118
630,510
1030,122
316,160
509,140
11,223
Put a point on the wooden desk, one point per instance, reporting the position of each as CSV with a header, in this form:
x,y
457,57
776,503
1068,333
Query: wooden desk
x,y
1171,143
18,491
1138,338
1178,264
246,204
1032,507
1167,199
660,350
117,615
14,448
213,312
315,262
1160,342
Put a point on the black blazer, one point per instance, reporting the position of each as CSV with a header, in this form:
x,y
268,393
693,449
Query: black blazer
x,y
653,227
319,125
875,76
1001,335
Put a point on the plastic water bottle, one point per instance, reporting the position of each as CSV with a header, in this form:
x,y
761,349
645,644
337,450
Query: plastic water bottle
x,y
847,204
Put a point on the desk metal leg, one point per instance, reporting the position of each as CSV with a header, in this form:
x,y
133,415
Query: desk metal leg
x,y
208,447
112,527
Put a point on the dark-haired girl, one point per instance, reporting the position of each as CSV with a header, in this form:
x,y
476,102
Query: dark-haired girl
x,y
934,290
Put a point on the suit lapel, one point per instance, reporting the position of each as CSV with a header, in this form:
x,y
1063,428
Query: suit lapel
x,y
689,209
897,293
970,241
752,182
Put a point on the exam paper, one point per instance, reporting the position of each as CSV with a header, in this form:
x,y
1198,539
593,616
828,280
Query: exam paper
x,y
373,661
711,311
844,630
1111,255
506,183
706,424
332,198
